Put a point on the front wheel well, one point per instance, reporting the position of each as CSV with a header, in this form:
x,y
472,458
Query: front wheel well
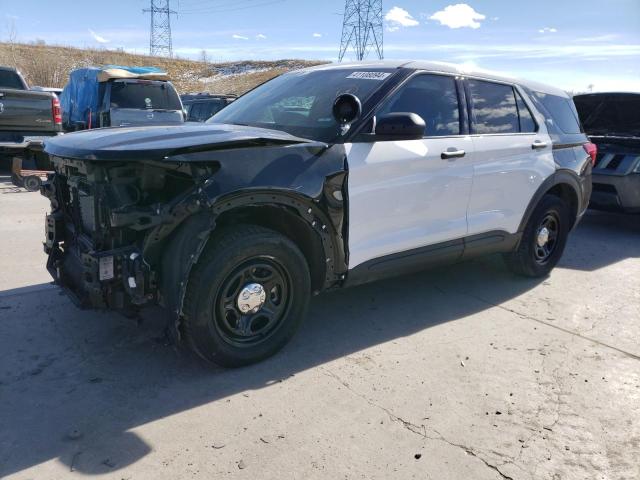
x,y
287,222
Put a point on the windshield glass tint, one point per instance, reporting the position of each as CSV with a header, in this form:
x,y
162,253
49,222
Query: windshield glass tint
x,y
300,103
609,115
149,96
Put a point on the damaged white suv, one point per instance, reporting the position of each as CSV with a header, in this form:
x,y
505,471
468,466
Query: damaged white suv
x,y
318,179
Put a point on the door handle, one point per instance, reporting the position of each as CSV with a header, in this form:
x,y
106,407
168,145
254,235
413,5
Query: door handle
x,y
452,153
538,144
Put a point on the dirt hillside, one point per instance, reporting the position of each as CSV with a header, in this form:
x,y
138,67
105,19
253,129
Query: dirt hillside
x,y
49,66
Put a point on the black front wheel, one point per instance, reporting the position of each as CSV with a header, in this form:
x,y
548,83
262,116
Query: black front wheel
x,y
246,296
32,183
543,239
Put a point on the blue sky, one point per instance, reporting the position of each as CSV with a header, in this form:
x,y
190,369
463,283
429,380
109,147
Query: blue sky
x,y
568,43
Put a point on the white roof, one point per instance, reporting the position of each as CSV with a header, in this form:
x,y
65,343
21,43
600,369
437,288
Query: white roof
x,y
444,67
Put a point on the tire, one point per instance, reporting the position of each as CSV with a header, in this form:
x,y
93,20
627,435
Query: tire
x,y
32,183
237,259
531,259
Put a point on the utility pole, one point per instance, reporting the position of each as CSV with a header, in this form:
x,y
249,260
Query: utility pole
x,y
362,28
160,35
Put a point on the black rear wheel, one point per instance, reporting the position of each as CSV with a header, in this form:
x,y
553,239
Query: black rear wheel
x,y
246,296
543,239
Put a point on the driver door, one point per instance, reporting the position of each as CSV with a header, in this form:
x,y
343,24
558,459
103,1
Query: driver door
x,y
406,196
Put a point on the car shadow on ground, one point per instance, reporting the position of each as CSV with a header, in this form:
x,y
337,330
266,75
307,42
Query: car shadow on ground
x,y
6,186
76,384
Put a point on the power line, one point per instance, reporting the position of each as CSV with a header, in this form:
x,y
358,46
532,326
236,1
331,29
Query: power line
x,y
232,7
160,43
189,4
362,28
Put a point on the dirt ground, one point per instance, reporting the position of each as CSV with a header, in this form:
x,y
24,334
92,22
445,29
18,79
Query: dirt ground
x,y
464,372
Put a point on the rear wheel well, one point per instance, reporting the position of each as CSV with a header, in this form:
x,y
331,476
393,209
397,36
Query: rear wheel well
x,y
287,222
568,194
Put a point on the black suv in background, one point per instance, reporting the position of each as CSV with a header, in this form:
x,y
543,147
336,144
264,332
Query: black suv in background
x,y
201,107
612,121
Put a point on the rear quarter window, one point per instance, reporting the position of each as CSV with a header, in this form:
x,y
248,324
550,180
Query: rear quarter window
x,y
562,111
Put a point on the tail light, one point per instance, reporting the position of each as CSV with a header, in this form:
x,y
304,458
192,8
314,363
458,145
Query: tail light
x,y
56,110
592,151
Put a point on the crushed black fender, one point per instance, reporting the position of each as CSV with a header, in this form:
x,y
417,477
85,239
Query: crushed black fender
x,y
129,222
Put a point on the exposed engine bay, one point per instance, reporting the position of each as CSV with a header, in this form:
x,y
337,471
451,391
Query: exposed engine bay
x,y
122,234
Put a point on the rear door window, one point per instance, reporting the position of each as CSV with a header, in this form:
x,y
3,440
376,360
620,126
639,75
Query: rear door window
x,y
562,112
494,107
434,98
144,96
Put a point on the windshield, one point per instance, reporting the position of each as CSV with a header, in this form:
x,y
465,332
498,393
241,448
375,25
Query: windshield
x,y
300,103
144,96
609,114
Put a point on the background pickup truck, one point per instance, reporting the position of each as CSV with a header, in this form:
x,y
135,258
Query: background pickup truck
x,y
27,118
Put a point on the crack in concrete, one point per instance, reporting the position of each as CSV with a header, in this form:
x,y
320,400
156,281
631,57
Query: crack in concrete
x,y
493,467
420,430
542,322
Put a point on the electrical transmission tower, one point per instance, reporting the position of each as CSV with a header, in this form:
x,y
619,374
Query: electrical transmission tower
x,y
362,28
160,35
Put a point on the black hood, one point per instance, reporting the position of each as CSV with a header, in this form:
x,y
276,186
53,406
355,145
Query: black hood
x,y
162,142
609,114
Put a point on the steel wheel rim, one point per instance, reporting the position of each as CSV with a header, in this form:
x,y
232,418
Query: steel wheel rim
x,y
551,225
249,329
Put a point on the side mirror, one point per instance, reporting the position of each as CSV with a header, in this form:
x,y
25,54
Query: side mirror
x,y
401,126
346,109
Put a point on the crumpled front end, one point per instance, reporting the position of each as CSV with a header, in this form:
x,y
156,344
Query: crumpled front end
x,y
125,233
97,231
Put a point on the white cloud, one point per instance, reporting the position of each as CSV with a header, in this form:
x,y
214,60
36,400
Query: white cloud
x,y
97,37
261,36
547,30
608,37
239,37
317,35
459,15
398,17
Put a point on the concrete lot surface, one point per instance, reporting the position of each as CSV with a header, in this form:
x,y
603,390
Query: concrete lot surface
x,y
464,372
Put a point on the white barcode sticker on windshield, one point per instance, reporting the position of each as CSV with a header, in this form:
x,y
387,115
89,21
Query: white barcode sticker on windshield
x,y
369,75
